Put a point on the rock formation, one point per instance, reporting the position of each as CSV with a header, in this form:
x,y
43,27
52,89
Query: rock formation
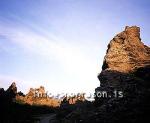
x,y
38,96
73,99
14,107
126,52
12,88
126,69
124,92
10,94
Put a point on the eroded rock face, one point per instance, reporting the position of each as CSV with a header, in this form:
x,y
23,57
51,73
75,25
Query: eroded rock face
x,y
126,68
73,99
125,55
126,52
38,96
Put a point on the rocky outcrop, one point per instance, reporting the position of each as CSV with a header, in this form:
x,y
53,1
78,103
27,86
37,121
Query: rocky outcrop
x,y
73,99
12,88
126,70
124,92
14,109
10,94
38,96
126,52
126,56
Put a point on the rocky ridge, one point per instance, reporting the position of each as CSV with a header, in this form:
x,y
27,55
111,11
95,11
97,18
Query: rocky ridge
x,y
38,96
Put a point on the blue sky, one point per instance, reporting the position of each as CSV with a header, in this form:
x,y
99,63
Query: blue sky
x,y
60,44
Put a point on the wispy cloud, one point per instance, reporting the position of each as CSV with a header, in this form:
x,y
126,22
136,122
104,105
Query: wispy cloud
x,y
70,56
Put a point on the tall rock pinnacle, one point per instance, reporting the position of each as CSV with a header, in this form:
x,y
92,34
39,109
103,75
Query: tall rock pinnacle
x,y
126,69
12,88
126,52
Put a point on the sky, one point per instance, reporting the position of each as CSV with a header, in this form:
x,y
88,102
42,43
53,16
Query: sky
x,y
60,44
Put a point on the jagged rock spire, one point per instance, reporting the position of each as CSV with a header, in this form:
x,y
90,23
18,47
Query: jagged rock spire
x,y
12,88
126,52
